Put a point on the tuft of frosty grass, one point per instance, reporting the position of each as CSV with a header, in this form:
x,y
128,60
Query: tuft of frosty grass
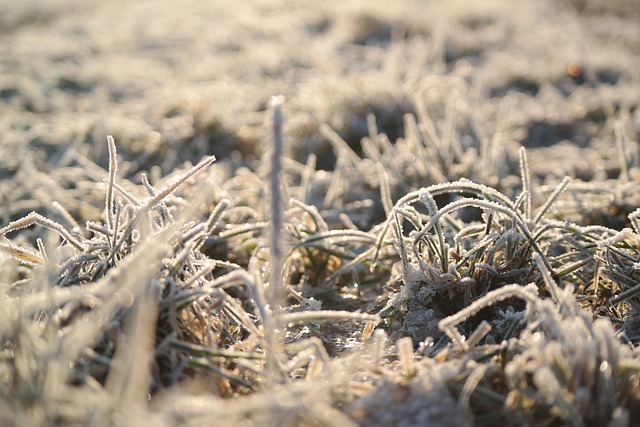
x,y
430,277
183,304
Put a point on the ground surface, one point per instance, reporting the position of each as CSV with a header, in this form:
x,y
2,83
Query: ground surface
x,y
175,81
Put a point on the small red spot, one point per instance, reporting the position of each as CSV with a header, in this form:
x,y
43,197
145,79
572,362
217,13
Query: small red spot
x,y
574,69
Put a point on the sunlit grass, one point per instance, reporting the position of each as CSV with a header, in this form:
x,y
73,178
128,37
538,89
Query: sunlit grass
x,y
387,246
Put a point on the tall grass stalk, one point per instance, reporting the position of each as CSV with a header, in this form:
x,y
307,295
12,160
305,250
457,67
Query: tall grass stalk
x,y
273,326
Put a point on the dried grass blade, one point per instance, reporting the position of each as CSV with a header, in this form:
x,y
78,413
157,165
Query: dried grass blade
x,y
23,255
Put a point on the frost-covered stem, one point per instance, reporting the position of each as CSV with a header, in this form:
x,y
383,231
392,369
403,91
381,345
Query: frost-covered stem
x,y
36,218
276,202
525,176
447,325
554,289
113,168
272,324
552,198
326,316
405,355
481,331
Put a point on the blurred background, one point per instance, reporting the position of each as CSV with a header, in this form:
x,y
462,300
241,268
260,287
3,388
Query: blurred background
x,y
173,81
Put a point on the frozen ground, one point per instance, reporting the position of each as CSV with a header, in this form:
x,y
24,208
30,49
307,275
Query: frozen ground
x,y
382,98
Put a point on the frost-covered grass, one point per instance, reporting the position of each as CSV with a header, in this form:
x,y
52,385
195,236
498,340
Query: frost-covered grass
x,y
439,224
171,302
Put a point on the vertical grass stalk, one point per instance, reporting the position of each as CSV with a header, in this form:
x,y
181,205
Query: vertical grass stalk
x,y
275,245
275,191
525,176
113,168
